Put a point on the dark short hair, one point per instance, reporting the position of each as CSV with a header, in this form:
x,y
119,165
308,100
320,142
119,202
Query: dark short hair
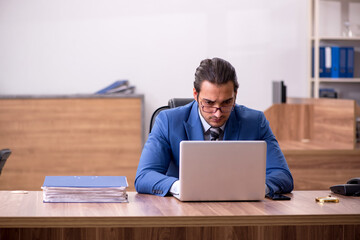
x,y
217,71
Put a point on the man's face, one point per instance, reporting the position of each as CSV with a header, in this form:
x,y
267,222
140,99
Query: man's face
x,y
212,96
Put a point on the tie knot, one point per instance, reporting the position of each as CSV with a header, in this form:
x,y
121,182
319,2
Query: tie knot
x,y
214,133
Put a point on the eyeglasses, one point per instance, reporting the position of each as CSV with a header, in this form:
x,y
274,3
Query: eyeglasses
x,y
223,109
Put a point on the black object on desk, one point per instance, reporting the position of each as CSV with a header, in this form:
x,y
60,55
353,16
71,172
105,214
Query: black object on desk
x,y
277,196
4,154
351,188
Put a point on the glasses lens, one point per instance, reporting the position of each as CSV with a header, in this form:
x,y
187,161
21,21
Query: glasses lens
x,y
226,109
214,109
209,109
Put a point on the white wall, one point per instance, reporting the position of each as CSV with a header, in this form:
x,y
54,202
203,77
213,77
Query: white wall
x,y
80,46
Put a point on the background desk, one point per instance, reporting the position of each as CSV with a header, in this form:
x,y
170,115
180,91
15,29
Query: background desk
x,y
318,139
69,135
25,216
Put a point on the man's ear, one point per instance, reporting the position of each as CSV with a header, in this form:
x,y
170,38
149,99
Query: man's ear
x,y
195,93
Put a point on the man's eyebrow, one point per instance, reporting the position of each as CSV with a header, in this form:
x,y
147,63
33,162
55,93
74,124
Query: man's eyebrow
x,y
211,101
227,100
208,100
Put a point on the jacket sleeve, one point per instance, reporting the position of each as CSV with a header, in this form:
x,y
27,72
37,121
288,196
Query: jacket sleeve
x,y
278,175
155,160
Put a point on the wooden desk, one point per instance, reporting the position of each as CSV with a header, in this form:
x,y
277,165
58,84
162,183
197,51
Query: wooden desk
x,y
25,216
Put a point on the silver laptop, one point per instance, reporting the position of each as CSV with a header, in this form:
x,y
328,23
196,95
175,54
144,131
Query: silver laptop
x,y
222,170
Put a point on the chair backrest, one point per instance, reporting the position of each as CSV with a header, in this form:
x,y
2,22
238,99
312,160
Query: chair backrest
x,y
177,102
172,103
154,115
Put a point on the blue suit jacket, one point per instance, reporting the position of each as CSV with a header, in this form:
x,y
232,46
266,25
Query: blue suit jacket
x,y
159,162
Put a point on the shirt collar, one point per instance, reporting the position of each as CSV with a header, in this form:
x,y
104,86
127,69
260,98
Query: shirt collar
x,y
205,124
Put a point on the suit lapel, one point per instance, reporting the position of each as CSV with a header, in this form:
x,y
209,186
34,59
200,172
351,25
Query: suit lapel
x,y
232,128
193,125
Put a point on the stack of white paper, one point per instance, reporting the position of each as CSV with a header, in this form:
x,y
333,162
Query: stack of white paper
x,y
85,189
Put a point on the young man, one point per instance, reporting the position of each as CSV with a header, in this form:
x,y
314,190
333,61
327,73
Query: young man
x,y
213,115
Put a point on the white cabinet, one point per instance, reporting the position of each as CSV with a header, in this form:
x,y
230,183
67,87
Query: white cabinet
x,y
334,23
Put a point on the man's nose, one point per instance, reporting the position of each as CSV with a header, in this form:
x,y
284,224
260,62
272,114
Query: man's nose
x,y
217,113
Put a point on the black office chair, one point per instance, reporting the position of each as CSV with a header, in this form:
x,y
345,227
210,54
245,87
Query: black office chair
x,y
172,103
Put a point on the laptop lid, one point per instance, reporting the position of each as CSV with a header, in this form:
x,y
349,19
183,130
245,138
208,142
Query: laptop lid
x,y
222,170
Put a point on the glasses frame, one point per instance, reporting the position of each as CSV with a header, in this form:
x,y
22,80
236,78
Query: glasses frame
x,y
216,108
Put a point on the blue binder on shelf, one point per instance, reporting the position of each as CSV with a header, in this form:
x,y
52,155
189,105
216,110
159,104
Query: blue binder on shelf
x,y
328,62
325,62
343,62
322,62
312,62
335,62
350,62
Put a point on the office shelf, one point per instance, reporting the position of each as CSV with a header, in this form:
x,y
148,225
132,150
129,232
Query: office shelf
x,y
338,80
332,32
336,38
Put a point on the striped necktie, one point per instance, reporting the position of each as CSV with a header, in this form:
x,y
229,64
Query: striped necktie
x,y
214,134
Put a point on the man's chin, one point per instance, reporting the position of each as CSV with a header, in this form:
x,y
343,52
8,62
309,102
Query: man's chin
x,y
216,123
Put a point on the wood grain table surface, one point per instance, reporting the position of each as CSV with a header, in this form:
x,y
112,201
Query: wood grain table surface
x,y
28,210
